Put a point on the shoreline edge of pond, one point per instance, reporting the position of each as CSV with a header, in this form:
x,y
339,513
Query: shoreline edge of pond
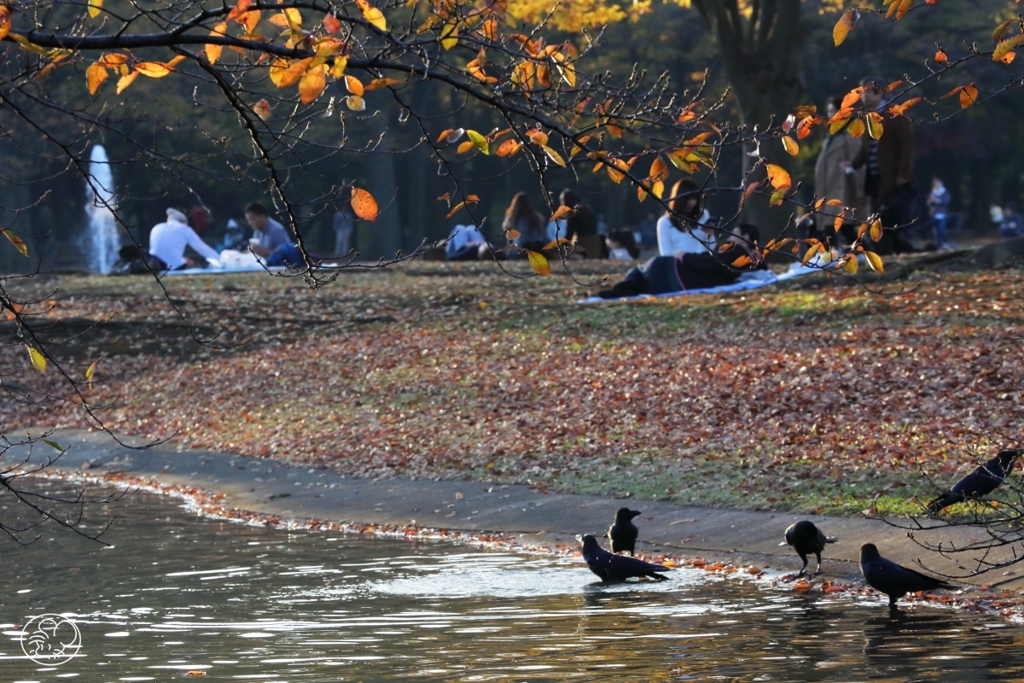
x,y
251,489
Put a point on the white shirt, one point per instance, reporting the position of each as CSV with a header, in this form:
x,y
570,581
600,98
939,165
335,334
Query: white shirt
x,y
167,241
672,240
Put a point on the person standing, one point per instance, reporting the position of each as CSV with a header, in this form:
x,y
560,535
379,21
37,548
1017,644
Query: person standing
x,y
267,233
344,227
834,180
167,242
938,207
889,164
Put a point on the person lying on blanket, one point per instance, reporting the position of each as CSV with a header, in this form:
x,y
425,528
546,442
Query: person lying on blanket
x,y
712,268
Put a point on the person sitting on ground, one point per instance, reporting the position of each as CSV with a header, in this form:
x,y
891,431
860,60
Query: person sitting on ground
x,y
267,233
234,237
464,243
1012,225
167,242
685,226
525,220
621,246
686,270
581,225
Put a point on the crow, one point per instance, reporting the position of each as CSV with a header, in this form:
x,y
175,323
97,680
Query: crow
x,y
806,539
885,576
623,533
979,483
617,567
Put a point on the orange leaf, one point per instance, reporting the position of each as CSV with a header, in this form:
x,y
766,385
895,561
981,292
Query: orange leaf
x,y
844,26
742,261
5,20
284,72
363,204
455,209
856,128
331,24
213,51
240,8
94,77
153,69
312,84
355,103
512,234
659,169
968,96
904,7
561,212
354,86
539,263
1006,47
378,83
900,109
508,148
941,57
537,136
778,177
851,98
790,145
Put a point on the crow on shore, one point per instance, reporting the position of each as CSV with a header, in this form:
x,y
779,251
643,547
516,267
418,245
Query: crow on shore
x,y
623,532
885,576
612,567
806,539
979,483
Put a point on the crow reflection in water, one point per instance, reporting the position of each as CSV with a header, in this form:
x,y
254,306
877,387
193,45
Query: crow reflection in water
x,y
623,532
612,567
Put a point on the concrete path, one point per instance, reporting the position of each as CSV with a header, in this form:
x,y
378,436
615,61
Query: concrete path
x,y
272,488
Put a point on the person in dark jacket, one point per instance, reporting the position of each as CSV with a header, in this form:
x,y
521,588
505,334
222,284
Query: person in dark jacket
x,y
667,274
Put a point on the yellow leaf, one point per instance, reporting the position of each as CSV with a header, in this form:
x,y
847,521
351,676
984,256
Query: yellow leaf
x,y
554,156
355,103
539,263
338,68
21,40
449,36
875,231
479,140
778,177
875,261
856,128
1001,30
153,69
94,8
126,80
844,26
89,372
284,72
455,209
850,264
38,360
112,60
372,14
874,122
354,86
16,241
1006,47
363,204
658,188
94,77
659,169
294,18
790,145
814,248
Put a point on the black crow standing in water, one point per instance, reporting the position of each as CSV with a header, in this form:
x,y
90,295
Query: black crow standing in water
x,y
623,533
806,539
617,567
892,579
979,483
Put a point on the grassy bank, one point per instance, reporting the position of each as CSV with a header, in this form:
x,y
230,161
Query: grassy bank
x,y
823,395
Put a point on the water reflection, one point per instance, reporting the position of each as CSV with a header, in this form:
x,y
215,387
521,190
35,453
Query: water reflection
x,y
180,595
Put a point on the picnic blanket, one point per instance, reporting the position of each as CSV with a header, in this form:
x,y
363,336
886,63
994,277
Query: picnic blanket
x,y
751,280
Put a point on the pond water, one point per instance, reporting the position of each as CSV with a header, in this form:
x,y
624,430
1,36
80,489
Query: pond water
x,y
178,595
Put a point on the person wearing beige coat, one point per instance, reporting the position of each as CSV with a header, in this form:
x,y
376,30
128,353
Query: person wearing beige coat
x,y
833,181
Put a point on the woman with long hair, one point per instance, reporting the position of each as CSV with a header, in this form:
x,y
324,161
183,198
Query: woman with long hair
x,y
685,227
524,219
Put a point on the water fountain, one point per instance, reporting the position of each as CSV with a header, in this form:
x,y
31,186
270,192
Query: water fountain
x,y
102,240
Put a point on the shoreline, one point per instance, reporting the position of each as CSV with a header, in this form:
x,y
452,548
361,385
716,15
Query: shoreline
x,y
514,517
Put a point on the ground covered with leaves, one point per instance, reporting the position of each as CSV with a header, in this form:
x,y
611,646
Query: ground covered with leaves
x,y
826,394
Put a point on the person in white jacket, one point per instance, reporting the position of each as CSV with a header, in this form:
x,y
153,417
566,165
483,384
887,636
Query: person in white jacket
x,y
167,242
686,226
